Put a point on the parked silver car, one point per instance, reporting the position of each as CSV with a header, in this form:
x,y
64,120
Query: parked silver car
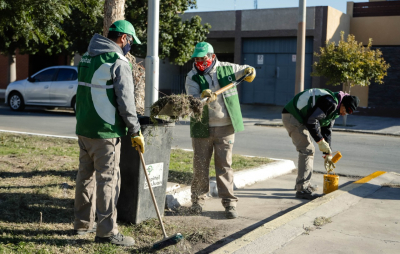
x,y
51,87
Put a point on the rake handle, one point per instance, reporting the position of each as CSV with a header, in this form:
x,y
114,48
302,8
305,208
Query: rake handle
x,y
152,193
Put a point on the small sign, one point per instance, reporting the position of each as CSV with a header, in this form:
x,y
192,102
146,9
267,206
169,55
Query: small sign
x,y
293,58
155,172
260,59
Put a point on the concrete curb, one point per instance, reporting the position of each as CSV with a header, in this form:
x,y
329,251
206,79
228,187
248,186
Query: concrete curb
x,y
276,233
336,129
181,196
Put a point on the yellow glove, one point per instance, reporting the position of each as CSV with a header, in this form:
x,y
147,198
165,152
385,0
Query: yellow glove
x,y
207,93
328,163
252,76
138,141
324,146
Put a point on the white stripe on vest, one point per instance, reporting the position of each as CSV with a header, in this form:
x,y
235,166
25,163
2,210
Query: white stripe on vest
x,y
95,86
303,99
101,103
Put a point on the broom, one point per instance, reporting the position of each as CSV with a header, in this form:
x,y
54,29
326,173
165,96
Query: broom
x,y
166,241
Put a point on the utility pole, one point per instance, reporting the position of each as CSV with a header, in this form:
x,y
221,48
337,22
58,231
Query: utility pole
x,y
301,43
152,60
255,4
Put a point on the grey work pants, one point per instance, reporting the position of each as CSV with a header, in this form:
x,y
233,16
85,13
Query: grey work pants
x,y
302,141
97,185
221,141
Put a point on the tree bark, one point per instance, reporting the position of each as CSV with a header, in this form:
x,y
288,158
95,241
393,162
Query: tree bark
x,y
12,67
113,10
347,88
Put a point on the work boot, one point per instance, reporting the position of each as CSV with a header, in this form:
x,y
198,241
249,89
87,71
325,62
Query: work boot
x,y
86,231
118,239
312,188
307,194
230,212
196,208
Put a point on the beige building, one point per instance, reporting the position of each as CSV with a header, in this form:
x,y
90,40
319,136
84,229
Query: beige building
x,y
266,39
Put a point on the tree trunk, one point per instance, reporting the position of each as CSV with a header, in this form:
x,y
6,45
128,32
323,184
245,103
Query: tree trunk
x,y
12,68
113,10
347,88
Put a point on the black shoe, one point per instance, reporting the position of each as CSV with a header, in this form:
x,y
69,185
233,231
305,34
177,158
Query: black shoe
x,y
230,212
118,239
86,231
196,208
307,194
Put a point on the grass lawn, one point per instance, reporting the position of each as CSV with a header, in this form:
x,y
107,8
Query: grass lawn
x,y
37,184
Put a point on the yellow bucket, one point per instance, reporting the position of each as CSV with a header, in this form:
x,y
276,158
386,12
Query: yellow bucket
x,y
331,183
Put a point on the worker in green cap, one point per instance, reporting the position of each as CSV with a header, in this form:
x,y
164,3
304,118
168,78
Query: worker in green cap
x,y
221,119
105,111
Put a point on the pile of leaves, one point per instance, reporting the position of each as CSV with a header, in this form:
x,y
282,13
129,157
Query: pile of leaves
x,y
179,105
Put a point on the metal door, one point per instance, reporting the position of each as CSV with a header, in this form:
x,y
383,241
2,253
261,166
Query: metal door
x,y
262,89
275,63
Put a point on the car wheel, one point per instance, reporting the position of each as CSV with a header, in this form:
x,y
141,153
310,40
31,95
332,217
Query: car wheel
x,y
73,104
16,102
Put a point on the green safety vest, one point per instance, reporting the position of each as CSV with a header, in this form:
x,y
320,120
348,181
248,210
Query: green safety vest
x,y
303,102
97,115
225,76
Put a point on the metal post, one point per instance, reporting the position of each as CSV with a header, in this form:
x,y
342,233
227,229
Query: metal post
x,y
301,43
152,60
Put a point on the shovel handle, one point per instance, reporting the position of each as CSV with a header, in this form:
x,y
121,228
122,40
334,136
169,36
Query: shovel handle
x,y
235,83
225,88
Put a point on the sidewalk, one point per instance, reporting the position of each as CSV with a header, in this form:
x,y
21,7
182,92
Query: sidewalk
x,y
271,116
364,219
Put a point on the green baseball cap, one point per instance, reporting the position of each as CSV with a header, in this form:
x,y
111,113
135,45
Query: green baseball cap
x,y
202,48
125,27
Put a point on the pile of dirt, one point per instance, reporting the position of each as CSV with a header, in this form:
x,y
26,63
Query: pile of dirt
x,y
320,221
177,105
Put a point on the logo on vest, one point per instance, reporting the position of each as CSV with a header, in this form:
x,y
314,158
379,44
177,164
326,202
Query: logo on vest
x,y
85,60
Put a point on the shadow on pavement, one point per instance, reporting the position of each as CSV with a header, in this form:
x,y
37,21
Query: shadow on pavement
x,y
244,231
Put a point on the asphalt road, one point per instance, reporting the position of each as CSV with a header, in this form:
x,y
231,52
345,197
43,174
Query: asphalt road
x,y
362,153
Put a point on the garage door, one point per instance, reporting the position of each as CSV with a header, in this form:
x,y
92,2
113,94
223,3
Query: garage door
x,y
275,62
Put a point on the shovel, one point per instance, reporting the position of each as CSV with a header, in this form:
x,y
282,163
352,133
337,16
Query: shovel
x,y
168,109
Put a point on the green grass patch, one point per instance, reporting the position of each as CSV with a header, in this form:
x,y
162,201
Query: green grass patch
x,y
37,189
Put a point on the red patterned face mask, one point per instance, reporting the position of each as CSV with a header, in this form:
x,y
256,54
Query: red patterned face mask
x,y
203,64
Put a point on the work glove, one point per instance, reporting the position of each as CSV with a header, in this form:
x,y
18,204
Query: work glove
x,y
208,93
328,163
138,141
324,146
251,77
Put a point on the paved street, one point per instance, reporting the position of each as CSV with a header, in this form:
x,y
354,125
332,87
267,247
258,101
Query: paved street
x,y
362,153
